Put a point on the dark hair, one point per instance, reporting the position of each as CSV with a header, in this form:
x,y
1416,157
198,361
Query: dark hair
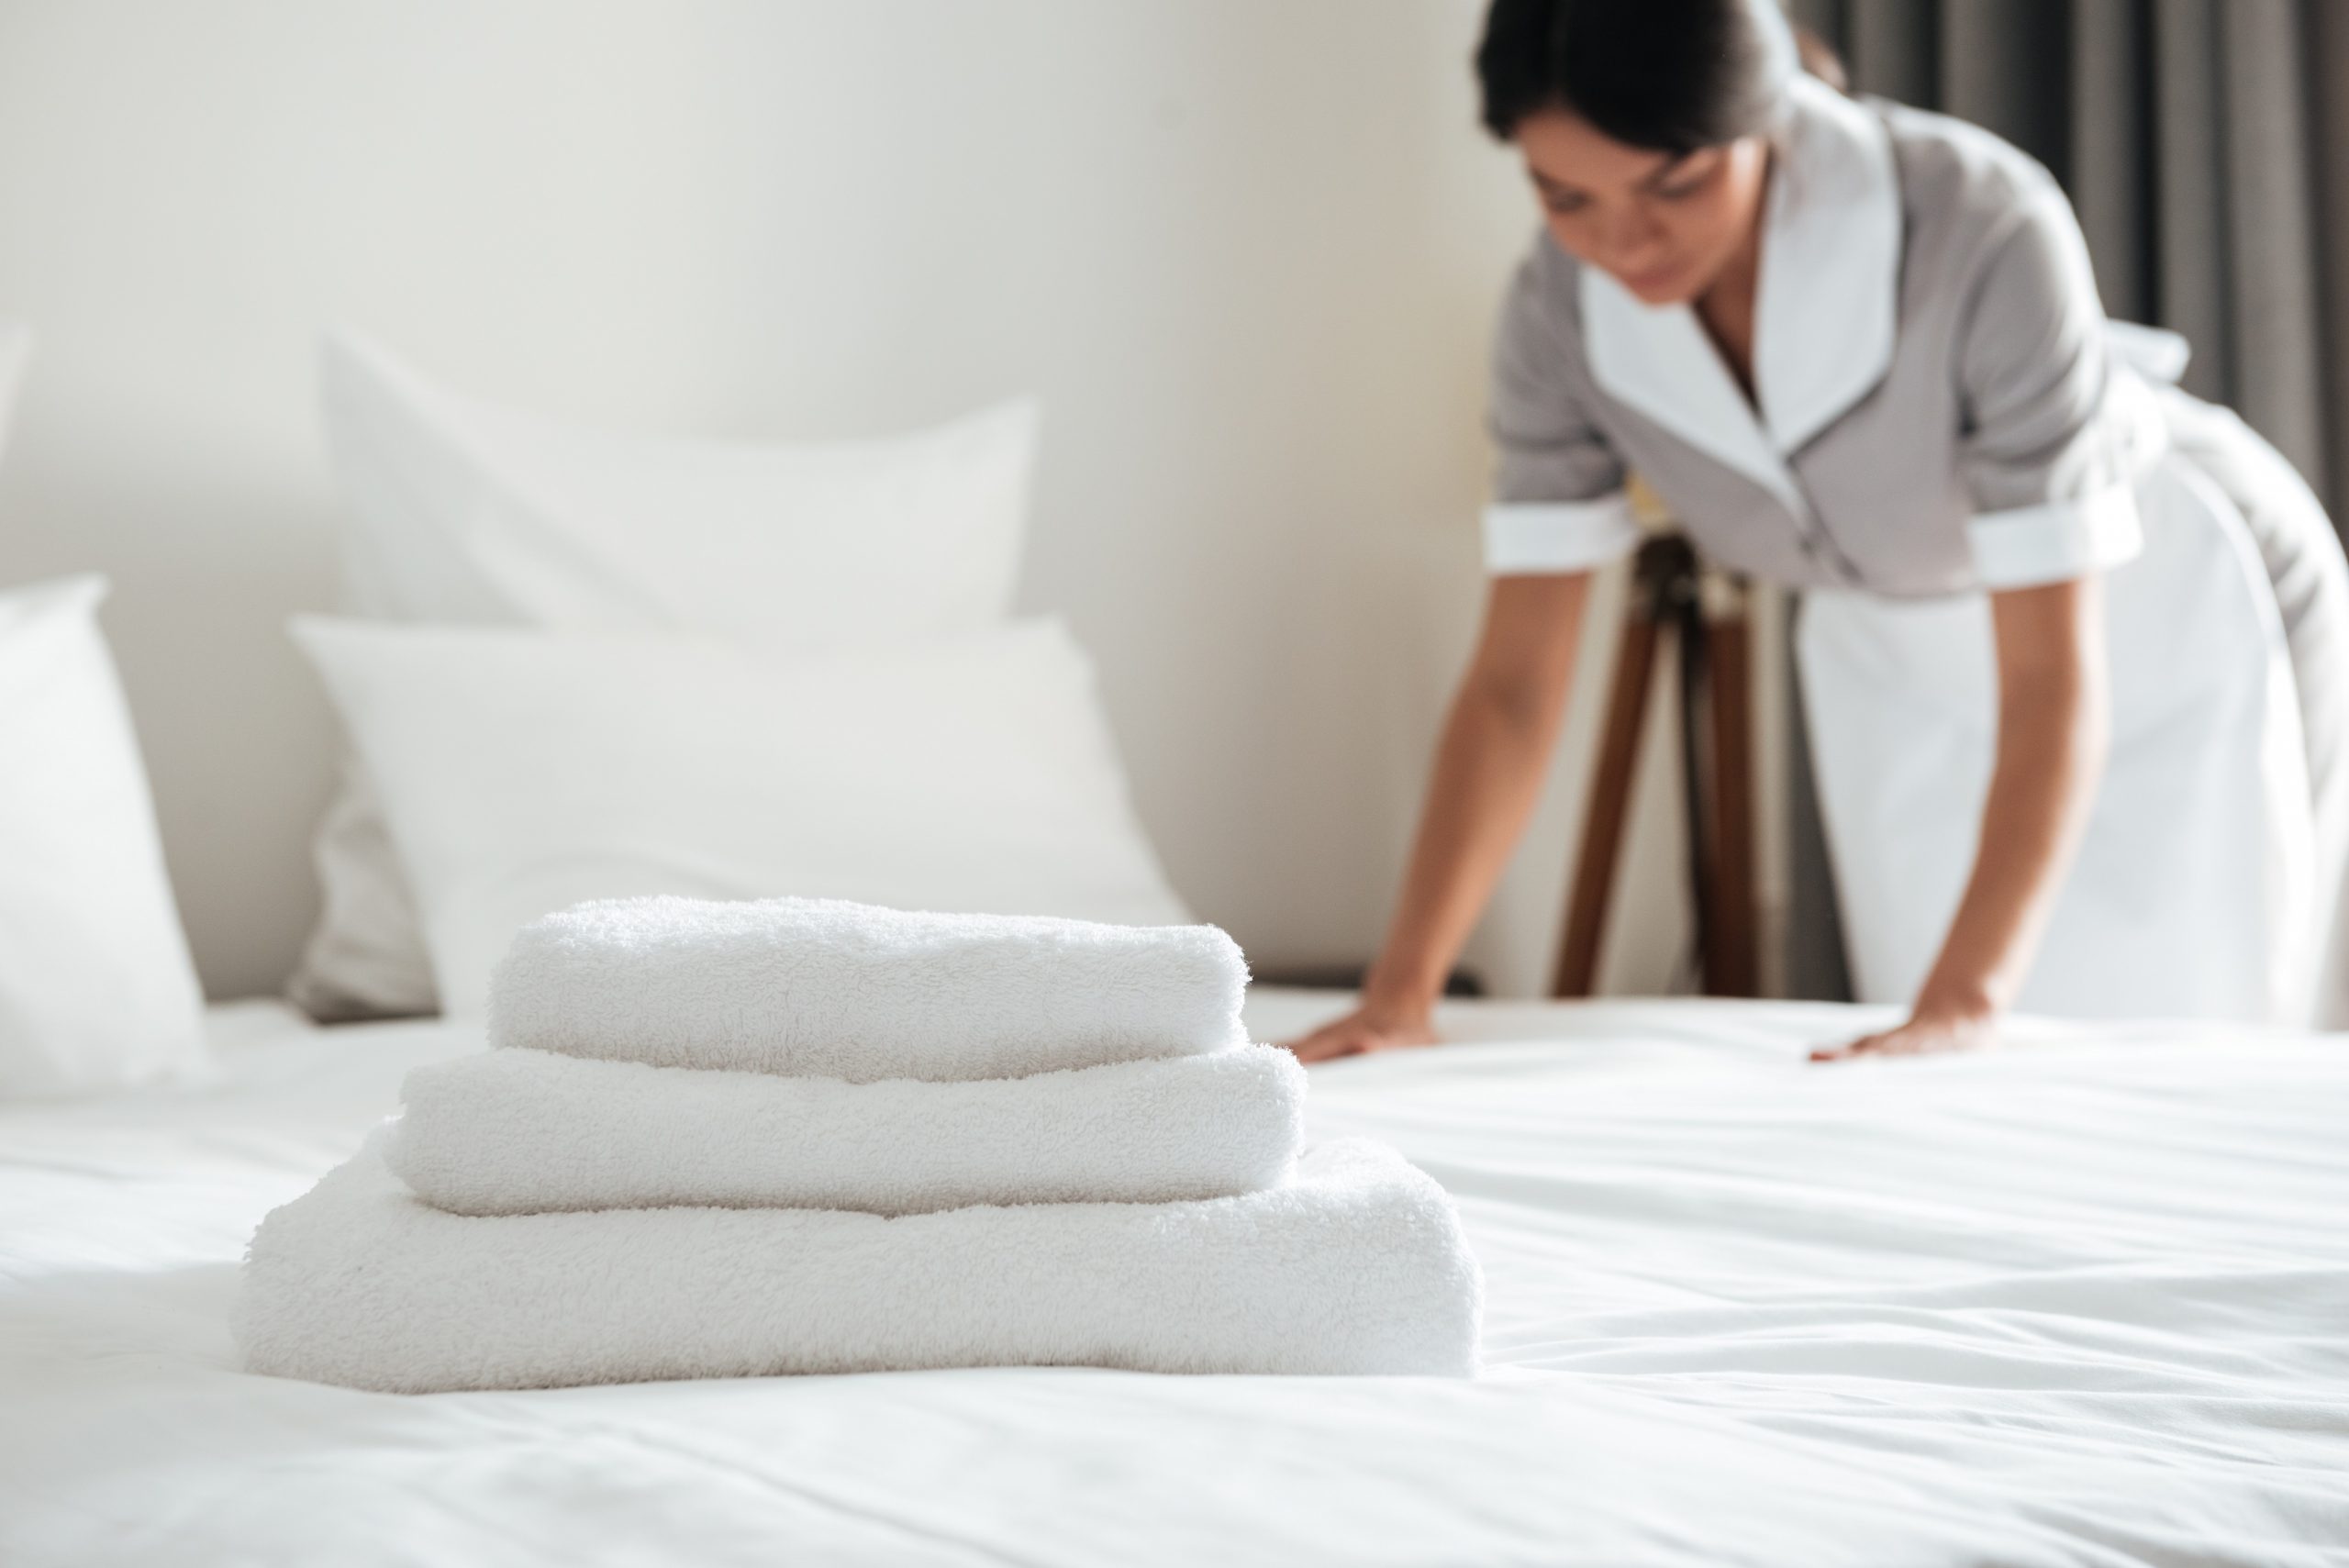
x,y
1673,75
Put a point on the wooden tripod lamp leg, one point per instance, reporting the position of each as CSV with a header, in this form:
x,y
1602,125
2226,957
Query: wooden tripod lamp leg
x,y
1732,952
1611,801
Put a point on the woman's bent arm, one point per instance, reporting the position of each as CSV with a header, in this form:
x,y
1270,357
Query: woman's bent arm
x,y
1489,767
2054,730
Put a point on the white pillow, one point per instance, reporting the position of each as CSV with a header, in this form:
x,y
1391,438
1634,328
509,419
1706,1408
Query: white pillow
x,y
96,990
463,511
523,772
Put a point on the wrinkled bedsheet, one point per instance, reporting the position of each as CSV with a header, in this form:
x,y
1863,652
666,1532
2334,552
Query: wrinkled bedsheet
x,y
2084,1301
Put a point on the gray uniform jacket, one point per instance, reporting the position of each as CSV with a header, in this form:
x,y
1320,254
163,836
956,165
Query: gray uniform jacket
x,y
1937,407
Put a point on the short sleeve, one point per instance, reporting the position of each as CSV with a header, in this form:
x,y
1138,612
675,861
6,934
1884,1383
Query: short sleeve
x,y
2054,439
1559,501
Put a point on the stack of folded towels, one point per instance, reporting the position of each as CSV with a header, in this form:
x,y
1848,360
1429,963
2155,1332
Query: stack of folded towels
x,y
722,1140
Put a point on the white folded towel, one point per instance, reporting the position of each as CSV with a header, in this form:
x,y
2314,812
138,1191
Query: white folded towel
x,y
530,1132
827,989
1357,1265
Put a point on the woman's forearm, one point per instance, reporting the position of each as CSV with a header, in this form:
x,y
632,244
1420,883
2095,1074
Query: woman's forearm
x,y
1493,754
2053,724
1488,776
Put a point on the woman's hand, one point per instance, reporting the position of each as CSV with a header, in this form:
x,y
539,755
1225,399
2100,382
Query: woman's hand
x,y
1931,1028
1498,741
2054,727
1368,1028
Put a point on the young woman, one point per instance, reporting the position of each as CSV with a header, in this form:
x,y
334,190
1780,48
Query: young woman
x,y
2053,607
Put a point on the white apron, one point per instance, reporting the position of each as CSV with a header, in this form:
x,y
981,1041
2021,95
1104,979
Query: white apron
x,y
2195,892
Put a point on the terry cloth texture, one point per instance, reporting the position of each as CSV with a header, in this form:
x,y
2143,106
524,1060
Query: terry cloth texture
x,y
1357,1265
828,989
529,1131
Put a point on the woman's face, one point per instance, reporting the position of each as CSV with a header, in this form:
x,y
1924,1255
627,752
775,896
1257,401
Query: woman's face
x,y
1661,226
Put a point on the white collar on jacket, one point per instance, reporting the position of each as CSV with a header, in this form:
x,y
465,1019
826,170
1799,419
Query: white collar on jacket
x,y
1825,311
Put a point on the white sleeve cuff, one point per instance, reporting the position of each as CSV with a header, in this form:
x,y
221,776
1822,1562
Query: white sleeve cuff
x,y
1527,536
2055,542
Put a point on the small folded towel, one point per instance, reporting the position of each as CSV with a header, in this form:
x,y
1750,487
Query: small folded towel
x,y
1357,1265
827,989
531,1132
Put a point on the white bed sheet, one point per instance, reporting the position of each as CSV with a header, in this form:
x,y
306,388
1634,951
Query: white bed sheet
x,y
2081,1304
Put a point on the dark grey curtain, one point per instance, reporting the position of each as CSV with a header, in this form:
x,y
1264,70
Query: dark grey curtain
x,y
2205,144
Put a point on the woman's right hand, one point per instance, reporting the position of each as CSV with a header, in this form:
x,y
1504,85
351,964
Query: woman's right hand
x,y
1371,1026
1498,741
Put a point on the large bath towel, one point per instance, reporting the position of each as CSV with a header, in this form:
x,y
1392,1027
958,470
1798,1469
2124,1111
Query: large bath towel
x,y
1357,1264
531,1131
828,989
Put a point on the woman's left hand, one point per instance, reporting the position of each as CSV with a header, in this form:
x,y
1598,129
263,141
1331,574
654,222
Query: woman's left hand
x,y
1928,1030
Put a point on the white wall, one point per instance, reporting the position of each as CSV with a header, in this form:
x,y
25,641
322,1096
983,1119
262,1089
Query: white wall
x,y
1246,252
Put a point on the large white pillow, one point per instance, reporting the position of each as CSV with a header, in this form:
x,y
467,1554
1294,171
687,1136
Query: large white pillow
x,y
457,510
523,772
96,990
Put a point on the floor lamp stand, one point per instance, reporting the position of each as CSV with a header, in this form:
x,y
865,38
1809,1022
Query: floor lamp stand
x,y
1707,613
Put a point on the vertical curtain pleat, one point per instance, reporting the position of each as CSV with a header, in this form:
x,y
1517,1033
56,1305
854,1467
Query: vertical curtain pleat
x,y
2268,230
2325,62
2190,282
2111,170
2005,65
1893,47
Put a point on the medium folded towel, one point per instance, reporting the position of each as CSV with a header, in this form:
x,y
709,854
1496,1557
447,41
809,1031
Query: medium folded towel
x,y
827,989
531,1132
1356,1265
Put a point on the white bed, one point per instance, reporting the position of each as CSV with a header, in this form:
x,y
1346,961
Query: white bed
x,y
2085,1303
